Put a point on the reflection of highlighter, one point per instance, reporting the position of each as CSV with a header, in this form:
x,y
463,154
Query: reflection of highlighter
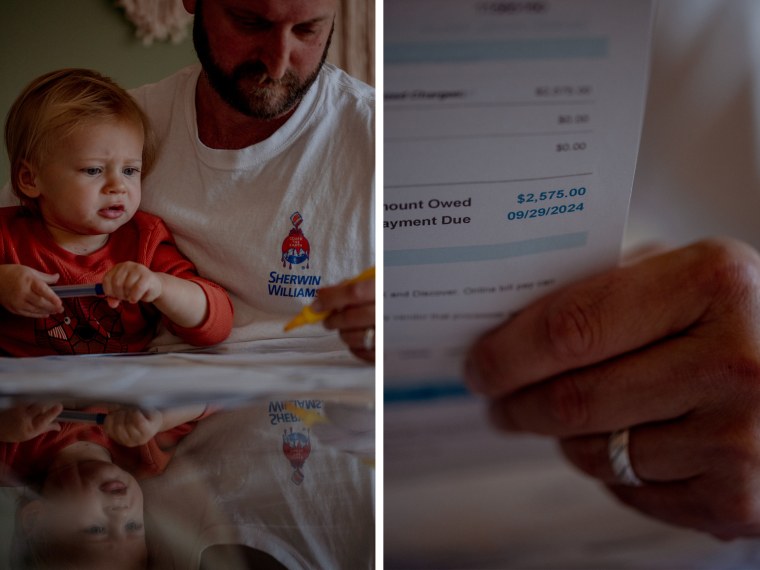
x,y
86,290
309,316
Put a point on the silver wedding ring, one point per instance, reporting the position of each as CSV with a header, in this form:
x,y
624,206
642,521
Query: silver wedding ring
x,y
369,339
620,460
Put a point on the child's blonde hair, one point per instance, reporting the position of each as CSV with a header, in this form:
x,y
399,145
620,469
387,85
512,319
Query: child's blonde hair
x,y
52,106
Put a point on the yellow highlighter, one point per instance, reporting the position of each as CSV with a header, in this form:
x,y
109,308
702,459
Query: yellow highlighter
x,y
309,316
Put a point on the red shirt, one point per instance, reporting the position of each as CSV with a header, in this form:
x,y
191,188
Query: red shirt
x,y
88,325
24,461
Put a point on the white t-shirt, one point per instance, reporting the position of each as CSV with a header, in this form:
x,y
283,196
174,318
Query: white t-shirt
x,y
275,221
259,476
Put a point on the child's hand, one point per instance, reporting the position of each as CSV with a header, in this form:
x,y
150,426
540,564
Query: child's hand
x,y
131,426
131,282
25,291
26,421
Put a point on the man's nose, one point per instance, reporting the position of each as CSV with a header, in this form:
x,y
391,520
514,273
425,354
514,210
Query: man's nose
x,y
276,54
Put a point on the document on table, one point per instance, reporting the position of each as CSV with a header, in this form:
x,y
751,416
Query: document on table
x,y
511,135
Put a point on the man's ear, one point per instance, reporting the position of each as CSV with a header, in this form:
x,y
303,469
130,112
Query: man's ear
x,y
30,515
26,180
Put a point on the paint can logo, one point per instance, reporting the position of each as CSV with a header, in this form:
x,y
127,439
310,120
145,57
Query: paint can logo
x,y
296,445
295,247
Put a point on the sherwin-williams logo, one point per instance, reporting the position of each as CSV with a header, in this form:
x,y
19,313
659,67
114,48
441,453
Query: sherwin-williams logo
x,y
296,445
295,248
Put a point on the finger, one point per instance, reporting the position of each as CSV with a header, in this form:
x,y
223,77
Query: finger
x,y
357,317
661,383
33,314
136,290
44,299
364,354
136,286
343,295
150,415
47,413
658,453
55,426
607,315
358,339
116,281
696,504
48,278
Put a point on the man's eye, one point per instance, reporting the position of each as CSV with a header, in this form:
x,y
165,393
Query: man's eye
x,y
305,30
254,25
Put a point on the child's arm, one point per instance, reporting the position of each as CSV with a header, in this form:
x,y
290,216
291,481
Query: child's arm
x,y
25,291
133,426
181,301
23,422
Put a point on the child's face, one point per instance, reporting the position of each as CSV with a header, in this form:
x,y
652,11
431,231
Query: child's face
x,y
95,509
90,182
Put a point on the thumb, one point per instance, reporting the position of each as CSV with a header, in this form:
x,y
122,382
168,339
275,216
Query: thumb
x,y
55,426
48,278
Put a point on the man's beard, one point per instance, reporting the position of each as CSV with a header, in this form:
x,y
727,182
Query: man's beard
x,y
263,97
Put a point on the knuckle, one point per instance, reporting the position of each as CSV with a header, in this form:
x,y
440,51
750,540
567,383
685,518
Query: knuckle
x,y
728,267
568,403
572,328
736,367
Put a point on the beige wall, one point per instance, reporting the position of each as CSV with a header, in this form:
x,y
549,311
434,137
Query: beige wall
x,y
41,35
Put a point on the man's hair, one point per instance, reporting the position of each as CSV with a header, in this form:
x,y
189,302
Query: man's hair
x,y
52,106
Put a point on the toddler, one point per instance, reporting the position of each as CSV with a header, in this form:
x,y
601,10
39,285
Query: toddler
x,y
86,505
79,146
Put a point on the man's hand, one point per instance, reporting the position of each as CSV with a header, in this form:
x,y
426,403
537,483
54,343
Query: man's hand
x,y
26,292
23,422
668,347
132,426
352,313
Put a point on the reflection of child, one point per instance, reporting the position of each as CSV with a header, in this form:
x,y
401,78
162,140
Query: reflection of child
x,y
90,506
78,146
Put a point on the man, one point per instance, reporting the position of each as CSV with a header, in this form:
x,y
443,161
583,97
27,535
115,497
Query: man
x,y
266,168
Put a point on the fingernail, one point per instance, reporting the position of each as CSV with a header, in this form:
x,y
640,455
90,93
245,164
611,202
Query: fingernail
x,y
316,306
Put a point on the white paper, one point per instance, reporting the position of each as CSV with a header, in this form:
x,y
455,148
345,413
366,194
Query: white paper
x,y
511,135
229,374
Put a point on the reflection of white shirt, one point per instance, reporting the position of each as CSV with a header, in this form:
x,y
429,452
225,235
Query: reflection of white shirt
x,y
258,476
275,221
698,167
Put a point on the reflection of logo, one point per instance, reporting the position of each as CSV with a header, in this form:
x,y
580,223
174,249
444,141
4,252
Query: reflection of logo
x,y
295,248
85,327
296,446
